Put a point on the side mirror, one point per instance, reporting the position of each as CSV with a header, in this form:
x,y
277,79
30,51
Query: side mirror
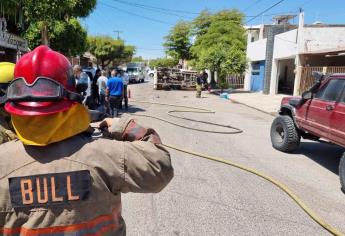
x,y
307,95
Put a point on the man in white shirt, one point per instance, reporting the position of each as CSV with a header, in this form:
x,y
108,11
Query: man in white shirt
x,y
125,79
83,83
102,86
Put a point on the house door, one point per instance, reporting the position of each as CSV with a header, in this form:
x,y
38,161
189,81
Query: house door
x,y
257,76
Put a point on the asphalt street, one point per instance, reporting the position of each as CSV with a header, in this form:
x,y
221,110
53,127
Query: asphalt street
x,y
207,198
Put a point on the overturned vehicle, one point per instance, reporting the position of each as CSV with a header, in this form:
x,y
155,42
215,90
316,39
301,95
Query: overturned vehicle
x,y
174,78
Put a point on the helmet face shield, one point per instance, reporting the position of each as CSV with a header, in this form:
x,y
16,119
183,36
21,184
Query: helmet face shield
x,y
42,89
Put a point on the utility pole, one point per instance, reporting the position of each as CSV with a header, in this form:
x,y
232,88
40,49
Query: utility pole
x,y
118,33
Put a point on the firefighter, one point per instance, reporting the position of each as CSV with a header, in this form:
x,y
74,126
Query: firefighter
x,y
60,180
6,76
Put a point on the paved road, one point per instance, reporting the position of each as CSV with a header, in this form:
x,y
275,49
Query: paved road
x,y
207,198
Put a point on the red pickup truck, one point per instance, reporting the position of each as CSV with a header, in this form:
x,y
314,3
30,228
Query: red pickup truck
x,y
318,114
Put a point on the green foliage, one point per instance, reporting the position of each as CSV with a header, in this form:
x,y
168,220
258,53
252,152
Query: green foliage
x,y
163,62
107,50
138,59
125,56
220,42
67,37
201,23
178,42
55,19
55,10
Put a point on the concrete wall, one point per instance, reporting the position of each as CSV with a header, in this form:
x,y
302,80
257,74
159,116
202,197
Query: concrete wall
x,y
285,45
316,38
256,51
271,32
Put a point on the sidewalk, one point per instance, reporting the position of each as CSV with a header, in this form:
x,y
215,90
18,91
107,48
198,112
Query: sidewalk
x,y
269,104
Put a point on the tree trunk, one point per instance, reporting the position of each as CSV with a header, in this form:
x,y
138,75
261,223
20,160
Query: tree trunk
x,y
44,34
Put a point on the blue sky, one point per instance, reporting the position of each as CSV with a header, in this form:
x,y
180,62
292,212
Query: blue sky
x,y
144,23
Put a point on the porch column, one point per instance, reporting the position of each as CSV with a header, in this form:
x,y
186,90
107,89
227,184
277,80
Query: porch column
x,y
274,78
247,78
298,75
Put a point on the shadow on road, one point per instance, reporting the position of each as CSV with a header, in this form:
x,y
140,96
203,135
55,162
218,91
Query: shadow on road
x,y
326,155
133,109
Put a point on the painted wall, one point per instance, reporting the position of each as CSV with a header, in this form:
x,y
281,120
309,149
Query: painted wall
x,y
318,38
285,45
256,51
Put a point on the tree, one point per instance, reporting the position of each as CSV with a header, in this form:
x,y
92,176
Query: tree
x,y
125,56
163,62
67,37
201,23
220,43
178,41
138,59
46,13
108,50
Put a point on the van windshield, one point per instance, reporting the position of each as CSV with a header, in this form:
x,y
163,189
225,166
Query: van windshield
x,y
132,69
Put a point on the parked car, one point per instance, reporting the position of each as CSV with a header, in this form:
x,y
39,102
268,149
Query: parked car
x,y
318,115
150,73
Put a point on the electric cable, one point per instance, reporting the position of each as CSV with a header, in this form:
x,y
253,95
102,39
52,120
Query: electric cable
x,y
137,15
250,6
151,9
277,183
159,8
266,10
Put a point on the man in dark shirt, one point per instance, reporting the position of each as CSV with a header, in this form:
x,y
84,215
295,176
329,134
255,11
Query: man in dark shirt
x,y
114,93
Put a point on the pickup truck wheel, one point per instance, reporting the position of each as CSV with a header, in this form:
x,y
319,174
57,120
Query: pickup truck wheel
x,y
342,172
284,134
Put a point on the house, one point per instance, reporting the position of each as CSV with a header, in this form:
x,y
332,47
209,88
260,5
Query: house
x,y
260,50
282,62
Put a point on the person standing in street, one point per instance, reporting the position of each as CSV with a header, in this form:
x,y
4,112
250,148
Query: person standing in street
x,y
58,179
125,79
102,87
114,93
201,80
94,88
198,85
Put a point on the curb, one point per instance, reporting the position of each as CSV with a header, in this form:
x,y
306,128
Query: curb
x,y
274,114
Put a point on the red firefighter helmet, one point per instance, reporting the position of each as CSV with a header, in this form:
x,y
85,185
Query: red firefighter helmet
x,y
43,84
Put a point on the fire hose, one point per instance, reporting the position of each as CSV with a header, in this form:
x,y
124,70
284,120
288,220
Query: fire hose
x,y
233,130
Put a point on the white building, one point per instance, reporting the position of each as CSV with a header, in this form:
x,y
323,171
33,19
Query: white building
x,y
282,62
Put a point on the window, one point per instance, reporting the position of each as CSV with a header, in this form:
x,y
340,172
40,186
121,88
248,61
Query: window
x,y
331,91
256,68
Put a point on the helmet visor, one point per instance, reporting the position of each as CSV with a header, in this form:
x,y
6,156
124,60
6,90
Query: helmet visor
x,y
43,89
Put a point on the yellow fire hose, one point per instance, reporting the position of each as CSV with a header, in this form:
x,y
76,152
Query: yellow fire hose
x,y
280,185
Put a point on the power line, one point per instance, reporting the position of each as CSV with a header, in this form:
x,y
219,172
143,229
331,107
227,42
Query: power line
x,y
134,14
266,10
159,8
150,9
250,6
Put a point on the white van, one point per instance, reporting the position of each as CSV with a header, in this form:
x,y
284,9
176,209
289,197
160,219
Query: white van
x,y
136,72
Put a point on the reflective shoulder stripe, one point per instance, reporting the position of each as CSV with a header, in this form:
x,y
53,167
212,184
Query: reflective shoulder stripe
x,y
97,226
